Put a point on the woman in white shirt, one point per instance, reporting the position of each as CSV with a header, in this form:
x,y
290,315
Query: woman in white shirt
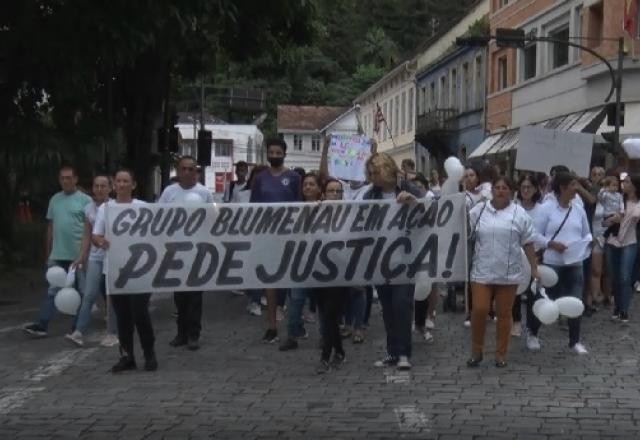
x,y
132,310
568,243
501,229
621,249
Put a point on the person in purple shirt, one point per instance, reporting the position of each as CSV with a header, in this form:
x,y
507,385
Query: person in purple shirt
x,y
275,185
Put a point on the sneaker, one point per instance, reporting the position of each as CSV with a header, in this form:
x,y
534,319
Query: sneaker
x,y
263,301
615,316
289,344
178,341
430,324
35,330
516,330
125,363
76,338
467,322
403,363
636,286
193,344
323,367
388,361
579,348
254,309
151,363
238,292
109,340
270,336
624,317
279,314
428,337
304,335
338,360
533,343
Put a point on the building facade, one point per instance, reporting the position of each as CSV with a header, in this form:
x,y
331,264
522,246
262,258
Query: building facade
x,y
395,94
304,128
552,84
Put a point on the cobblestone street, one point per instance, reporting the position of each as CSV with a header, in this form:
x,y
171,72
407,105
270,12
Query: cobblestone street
x,y
238,387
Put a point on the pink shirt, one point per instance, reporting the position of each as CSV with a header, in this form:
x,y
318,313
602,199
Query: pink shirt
x,y
627,234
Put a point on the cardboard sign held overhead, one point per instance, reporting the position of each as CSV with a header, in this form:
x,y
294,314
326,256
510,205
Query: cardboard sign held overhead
x,y
347,156
540,149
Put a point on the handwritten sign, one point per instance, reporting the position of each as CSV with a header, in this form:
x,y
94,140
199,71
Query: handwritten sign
x,y
540,149
155,248
347,156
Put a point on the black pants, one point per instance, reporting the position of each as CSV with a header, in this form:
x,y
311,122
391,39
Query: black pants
x,y
516,311
331,303
368,304
189,321
132,312
420,308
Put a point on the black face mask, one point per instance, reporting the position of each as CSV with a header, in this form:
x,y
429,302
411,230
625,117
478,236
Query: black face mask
x,y
276,161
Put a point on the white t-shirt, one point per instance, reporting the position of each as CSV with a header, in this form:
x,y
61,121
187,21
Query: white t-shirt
x,y
237,188
100,225
174,193
243,196
574,230
90,213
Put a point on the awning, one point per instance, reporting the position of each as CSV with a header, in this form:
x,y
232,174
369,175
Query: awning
x,y
586,121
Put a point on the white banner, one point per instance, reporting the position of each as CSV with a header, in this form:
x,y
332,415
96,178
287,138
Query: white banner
x,y
155,248
539,149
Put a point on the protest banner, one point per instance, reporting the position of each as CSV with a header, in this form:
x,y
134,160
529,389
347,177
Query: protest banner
x,y
347,156
539,149
155,248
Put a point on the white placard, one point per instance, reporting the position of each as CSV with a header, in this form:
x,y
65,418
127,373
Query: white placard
x,y
347,156
539,149
156,248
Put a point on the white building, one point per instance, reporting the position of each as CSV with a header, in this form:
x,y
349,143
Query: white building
x,y
304,128
231,143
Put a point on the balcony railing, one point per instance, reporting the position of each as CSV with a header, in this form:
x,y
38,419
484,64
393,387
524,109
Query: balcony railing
x,y
440,119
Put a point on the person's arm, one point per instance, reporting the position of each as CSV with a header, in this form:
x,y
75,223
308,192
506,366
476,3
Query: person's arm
x,y
586,194
586,230
530,252
255,190
99,229
85,246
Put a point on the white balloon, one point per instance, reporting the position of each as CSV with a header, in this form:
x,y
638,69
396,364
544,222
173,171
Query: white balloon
x,y
67,300
56,276
70,280
525,275
455,171
422,290
569,306
632,148
548,276
546,311
192,198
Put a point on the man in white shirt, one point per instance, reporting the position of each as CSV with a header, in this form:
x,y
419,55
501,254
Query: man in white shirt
x,y
189,304
242,171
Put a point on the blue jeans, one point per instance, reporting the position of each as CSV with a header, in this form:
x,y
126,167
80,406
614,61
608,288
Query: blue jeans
x,y
93,287
48,307
295,325
397,310
356,304
570,283
620,264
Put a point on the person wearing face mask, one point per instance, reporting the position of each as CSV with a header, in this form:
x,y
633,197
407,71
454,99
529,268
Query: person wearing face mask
x,y
276,184
242,171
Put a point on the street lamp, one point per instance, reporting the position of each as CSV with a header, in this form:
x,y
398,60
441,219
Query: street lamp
x,y
516,38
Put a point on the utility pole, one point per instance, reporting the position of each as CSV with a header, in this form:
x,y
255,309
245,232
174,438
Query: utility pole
x,y
616,136
201,160
165,156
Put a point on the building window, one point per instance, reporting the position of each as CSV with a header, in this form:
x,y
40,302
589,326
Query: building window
x,y
595,20
530,57
385,129
503,3
454,88
396,116
559,51
403,113
432,99
297,142
502,73
444,93
315,142
410,108
466,88
479,84
223,147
